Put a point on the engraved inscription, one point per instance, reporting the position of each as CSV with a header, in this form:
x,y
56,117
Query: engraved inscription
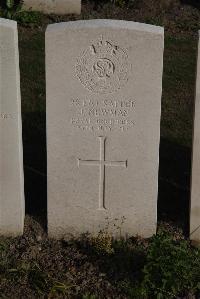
x,y
102,114
5,116
103,67
102,163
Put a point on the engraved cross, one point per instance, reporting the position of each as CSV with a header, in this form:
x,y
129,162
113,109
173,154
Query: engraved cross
x,y
102,163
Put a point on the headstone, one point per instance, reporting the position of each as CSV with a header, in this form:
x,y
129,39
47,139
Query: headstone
x,y
60,7
195,186
11,161
104,82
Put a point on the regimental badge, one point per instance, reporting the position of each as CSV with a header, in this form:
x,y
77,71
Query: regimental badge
x,y
103,67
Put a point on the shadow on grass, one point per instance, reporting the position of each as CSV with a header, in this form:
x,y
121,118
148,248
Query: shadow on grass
x,y
35,165
194,3
174,184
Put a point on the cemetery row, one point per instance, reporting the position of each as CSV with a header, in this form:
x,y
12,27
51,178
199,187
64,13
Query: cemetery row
x,y
103,86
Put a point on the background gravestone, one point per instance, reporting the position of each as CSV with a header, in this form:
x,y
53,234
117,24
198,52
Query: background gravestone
x,y
195,188
103,126
54,6
11,160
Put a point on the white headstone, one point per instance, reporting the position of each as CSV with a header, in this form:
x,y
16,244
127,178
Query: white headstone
x,y
104,81
11,161
195,186
54,6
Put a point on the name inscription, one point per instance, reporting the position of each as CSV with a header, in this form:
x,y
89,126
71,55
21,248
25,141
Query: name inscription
x,y
102,115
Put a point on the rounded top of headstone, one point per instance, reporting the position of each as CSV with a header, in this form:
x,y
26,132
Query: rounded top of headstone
x,y
100,23
8,23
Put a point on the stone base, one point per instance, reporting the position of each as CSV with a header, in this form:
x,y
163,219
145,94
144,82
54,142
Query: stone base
x,y
60,7
195,243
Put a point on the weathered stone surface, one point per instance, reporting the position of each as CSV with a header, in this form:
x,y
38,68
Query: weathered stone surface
x,y
11,161
195,186
103,126
54,6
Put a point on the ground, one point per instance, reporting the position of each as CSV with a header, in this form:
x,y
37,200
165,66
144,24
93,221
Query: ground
x,y
33,266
